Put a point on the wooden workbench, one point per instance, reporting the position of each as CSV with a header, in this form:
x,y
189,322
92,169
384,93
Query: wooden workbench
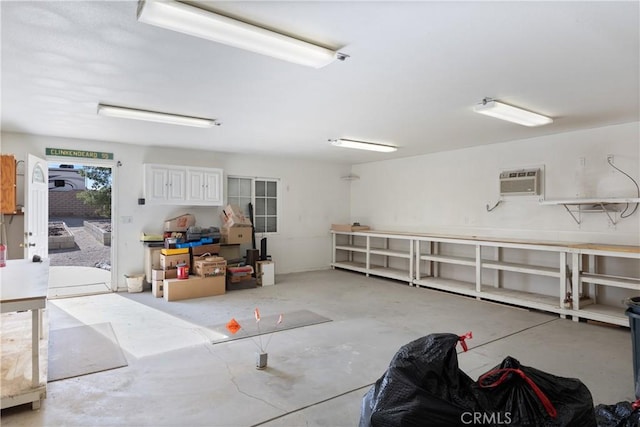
x,y
23,288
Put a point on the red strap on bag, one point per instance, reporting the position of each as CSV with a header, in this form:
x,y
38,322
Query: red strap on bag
x,y
462,339
548,406
635,405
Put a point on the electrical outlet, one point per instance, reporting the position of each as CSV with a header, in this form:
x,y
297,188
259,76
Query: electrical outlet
x,y
126,219
610,158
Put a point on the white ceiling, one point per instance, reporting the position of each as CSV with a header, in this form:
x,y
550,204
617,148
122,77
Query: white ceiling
x,y
416,70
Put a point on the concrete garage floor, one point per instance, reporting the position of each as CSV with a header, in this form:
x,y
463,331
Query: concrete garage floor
x,y
317,374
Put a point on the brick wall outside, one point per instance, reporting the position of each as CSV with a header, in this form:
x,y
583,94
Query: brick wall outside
x,y
65,203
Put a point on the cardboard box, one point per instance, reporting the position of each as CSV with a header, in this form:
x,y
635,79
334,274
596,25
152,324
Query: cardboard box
x,y
147,237
171,261
230,252
211,266
265,273
233,216
231,235
349,227
246,283
176,251
193,287
198,252
164,274
212,248
180,223
156,288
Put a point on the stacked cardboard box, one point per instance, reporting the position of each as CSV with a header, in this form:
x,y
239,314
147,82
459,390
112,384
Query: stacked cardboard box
x,y
211,266
240,278
193,287
180,223
198,252
169,260
208,281
233,216
236,227
157,280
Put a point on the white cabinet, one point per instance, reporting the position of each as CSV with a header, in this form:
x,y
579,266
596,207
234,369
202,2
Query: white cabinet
x,y
182,185
164,184
204,186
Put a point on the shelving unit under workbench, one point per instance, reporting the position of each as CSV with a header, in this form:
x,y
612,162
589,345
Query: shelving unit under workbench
x,y
560,282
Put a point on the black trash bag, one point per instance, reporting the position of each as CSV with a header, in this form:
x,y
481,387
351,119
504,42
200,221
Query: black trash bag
x,y
526,396
423,386
622,414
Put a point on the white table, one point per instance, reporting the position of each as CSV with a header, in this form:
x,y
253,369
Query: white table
x,y
23,287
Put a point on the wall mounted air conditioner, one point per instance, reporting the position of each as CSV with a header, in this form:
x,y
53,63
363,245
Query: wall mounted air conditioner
x,y
522,182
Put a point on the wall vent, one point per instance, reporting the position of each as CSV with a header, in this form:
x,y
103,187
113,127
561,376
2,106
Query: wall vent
x,y
522,182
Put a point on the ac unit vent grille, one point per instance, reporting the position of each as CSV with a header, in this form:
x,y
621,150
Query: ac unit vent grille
x,y
523,182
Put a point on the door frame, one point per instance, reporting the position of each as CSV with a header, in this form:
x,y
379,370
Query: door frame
x,y
112,164
35,241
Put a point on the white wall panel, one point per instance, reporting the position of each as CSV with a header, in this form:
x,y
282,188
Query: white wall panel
x,y
313,196
448,192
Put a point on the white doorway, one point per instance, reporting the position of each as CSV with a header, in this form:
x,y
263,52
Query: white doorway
x,y
36,214
81,228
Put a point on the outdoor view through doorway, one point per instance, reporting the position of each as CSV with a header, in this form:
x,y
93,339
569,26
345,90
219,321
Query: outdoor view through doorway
x,y
79,229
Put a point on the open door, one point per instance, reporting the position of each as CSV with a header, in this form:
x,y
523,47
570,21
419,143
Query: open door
x,y
36,232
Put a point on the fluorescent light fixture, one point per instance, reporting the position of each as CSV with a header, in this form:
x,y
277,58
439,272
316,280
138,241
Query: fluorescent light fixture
x,y
154,116
202,23
362,145
490,107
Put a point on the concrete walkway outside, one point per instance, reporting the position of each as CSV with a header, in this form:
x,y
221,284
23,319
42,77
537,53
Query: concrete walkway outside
x,y
74,271
88,251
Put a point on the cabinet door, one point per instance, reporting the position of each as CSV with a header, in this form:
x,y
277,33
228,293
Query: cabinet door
x,y
7,184
177,185
213,187
204,186
195,186
156,184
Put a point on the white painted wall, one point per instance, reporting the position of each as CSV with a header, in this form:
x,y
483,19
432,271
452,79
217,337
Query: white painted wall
x,y
447,192
313,196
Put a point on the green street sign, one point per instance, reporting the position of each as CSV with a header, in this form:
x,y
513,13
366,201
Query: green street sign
x,y
63,152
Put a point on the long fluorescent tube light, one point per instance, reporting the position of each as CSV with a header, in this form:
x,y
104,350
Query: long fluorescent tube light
x,y
496,109
202,23
362,145
154,116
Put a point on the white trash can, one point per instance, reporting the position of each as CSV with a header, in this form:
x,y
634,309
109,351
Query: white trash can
x,y
134,282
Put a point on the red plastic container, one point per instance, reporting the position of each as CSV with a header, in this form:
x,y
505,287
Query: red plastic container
x,y
183,271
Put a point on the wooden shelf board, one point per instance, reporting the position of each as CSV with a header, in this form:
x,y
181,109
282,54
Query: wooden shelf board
x,y
619,282
522,298
350,265
351,248
603,200
390,252
522,268
449,259
391,273
603,313
457,286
